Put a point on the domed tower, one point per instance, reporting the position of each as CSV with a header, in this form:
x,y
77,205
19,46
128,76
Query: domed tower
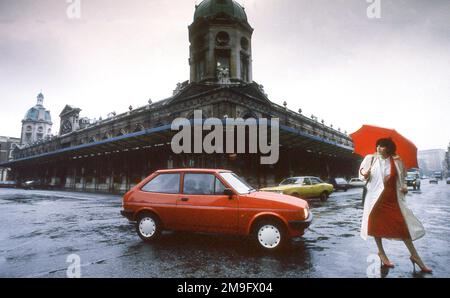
x,y
37,124
220,43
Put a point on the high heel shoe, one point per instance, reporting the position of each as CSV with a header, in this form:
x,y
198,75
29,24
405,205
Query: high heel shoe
x,y
423,268
386,264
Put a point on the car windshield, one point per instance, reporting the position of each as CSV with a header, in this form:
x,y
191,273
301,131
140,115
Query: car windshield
x,y
237,183
291,181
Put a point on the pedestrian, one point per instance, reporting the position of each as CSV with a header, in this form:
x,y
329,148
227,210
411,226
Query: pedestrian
x,y
385,212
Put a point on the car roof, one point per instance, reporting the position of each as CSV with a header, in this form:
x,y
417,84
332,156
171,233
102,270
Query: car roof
x,y
193,170
301,177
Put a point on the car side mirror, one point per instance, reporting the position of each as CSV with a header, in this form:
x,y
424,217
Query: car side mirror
x,y
228,192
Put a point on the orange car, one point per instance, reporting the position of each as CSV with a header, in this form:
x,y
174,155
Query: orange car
x,y
216,201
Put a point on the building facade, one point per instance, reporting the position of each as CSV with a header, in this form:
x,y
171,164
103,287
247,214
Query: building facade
x,y
37,123
114,154
7,145
431,161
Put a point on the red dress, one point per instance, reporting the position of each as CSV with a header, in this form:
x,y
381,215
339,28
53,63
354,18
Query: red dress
x,y
386,219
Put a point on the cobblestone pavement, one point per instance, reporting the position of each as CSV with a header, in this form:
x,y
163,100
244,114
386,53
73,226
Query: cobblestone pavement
x,y
40,229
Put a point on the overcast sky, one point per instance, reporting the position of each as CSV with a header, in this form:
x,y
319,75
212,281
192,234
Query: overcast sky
x,y
323,56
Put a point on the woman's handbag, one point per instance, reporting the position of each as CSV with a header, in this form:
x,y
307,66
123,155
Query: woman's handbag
x,y
364,194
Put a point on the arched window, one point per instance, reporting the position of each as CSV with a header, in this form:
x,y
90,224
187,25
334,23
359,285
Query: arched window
x,y
139,127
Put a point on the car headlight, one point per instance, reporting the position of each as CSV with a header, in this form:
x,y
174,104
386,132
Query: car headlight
x,y
305,213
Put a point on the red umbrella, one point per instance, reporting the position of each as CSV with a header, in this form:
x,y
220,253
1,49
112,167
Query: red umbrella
x,y
366,137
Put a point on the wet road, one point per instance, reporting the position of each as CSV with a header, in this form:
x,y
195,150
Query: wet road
x,y
40,229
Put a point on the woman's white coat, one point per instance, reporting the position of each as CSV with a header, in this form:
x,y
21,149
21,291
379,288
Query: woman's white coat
x,y
376,186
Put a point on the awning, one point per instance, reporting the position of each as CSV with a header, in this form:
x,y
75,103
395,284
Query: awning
x,y
289,138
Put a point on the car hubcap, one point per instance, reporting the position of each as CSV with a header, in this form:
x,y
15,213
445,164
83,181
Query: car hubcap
x,y
147,227
269,236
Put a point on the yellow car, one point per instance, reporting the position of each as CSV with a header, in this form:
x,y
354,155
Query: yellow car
x,y
303,187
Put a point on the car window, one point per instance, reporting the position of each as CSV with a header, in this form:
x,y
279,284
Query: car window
x,y
315,181
306,181
199,184
291,181
220,188
164,183
286,181
341,181
237,183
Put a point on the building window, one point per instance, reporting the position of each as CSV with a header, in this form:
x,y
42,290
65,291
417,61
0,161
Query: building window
x,y
245,68
244,43
200,66
201,69
222,38
223,61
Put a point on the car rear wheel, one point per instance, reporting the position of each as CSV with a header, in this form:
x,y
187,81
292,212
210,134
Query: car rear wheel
x,y
148,227
270,235
324,196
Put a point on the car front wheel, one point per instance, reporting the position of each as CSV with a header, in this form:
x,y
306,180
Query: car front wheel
x,y
148,227
270,235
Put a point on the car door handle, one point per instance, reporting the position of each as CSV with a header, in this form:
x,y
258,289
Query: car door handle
x,y
184,199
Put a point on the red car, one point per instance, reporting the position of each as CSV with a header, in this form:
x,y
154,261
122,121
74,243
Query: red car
x,y
216,201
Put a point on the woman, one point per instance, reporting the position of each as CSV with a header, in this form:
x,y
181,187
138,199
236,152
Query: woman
x,y
385,212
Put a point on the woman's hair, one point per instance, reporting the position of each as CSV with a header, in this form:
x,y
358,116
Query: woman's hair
x,y
388,144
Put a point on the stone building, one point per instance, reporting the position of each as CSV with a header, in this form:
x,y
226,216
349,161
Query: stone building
x,y
37,124
114,154
7,145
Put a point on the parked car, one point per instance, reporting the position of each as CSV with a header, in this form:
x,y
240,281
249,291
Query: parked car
x,y
32,184
413,179
217,201
448,180
356,182
340,184
433,180
303,187
8,184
